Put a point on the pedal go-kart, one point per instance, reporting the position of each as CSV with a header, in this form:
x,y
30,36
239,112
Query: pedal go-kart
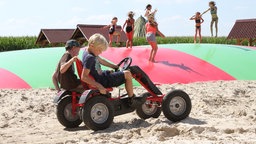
x,y
97,111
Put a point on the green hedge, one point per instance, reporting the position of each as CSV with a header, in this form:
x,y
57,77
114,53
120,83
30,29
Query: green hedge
x,y
28,42
17,43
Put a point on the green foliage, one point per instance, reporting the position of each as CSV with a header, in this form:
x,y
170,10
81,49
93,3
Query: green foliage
x,y
186,39
20,43
17,43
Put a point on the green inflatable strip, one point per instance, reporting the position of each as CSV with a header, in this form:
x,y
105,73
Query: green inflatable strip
x,y
35,66
237,61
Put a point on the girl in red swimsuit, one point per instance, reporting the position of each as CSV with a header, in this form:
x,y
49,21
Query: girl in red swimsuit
x,y
199,20
129,23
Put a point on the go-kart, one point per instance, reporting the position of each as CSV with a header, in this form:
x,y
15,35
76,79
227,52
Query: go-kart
x,y
97,111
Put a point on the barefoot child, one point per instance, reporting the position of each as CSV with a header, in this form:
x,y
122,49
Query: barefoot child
x,y
112,31
151,30
96,45
213,10
148,10
199,20
129,23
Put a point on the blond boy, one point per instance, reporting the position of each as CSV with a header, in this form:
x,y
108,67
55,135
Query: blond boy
x,y
105,79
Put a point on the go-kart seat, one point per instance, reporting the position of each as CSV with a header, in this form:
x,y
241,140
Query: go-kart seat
x,y
143,79
79,67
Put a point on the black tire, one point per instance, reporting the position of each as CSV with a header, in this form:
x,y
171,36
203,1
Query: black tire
x,y
98,113
64,113
176,105
145,112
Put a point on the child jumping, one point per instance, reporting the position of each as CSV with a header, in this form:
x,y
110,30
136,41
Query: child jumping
x,y
148,10
199,20
129,23
112,31
96,45
151,30
215,18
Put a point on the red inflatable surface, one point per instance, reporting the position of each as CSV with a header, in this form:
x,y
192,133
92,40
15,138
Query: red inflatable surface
x,y
10,80
172,66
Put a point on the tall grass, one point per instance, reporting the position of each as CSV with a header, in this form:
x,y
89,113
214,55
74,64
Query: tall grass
x,y
17,43
28,42
186,39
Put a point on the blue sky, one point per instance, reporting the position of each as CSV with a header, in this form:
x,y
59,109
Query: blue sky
x,y
27,17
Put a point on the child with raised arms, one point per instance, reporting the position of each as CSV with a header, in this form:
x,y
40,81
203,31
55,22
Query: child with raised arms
x,y
198,20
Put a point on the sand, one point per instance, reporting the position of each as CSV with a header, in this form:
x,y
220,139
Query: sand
x,y
222,112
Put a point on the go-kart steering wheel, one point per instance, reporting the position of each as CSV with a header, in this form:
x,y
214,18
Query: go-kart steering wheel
x,y
126,62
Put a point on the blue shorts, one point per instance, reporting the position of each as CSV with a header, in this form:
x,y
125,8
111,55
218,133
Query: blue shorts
x,y
151,37
112,79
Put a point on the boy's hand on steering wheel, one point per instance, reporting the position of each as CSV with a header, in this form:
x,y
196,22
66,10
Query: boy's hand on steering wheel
x,y
116,68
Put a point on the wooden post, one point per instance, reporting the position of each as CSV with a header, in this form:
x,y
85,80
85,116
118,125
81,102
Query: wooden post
x,y
238,41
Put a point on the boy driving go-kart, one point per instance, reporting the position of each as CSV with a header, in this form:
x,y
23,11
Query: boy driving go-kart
x,y
105,79
97,108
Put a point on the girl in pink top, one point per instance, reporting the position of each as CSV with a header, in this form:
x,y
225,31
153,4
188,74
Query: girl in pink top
x,y
151,30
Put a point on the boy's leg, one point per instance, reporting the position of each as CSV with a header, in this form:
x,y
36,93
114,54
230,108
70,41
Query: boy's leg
x,y
128,83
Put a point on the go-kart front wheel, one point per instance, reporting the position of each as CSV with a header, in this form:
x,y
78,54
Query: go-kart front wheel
x,y
148,109
176,105
64,113
98,113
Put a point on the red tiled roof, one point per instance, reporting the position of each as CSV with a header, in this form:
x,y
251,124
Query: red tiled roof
x,y
54,35
245,28
86,31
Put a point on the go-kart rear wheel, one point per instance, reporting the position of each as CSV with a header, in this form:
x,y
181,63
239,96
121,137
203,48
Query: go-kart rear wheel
x,y
148,109
98,113
64,113
176,105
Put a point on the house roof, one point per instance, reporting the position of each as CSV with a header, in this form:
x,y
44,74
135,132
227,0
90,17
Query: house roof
x,y
84,32
245,28
54,35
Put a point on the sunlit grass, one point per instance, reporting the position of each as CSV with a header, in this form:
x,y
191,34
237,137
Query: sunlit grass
x,y
28,42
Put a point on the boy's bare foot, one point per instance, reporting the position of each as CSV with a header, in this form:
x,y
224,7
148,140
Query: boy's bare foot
x,y
135,101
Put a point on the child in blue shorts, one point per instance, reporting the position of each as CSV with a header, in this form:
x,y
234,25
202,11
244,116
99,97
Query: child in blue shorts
x,y
103,79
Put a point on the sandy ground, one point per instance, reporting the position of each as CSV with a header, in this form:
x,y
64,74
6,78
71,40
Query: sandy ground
x,y
223,112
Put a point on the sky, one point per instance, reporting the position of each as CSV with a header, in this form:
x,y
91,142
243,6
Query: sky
x,y
27,17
